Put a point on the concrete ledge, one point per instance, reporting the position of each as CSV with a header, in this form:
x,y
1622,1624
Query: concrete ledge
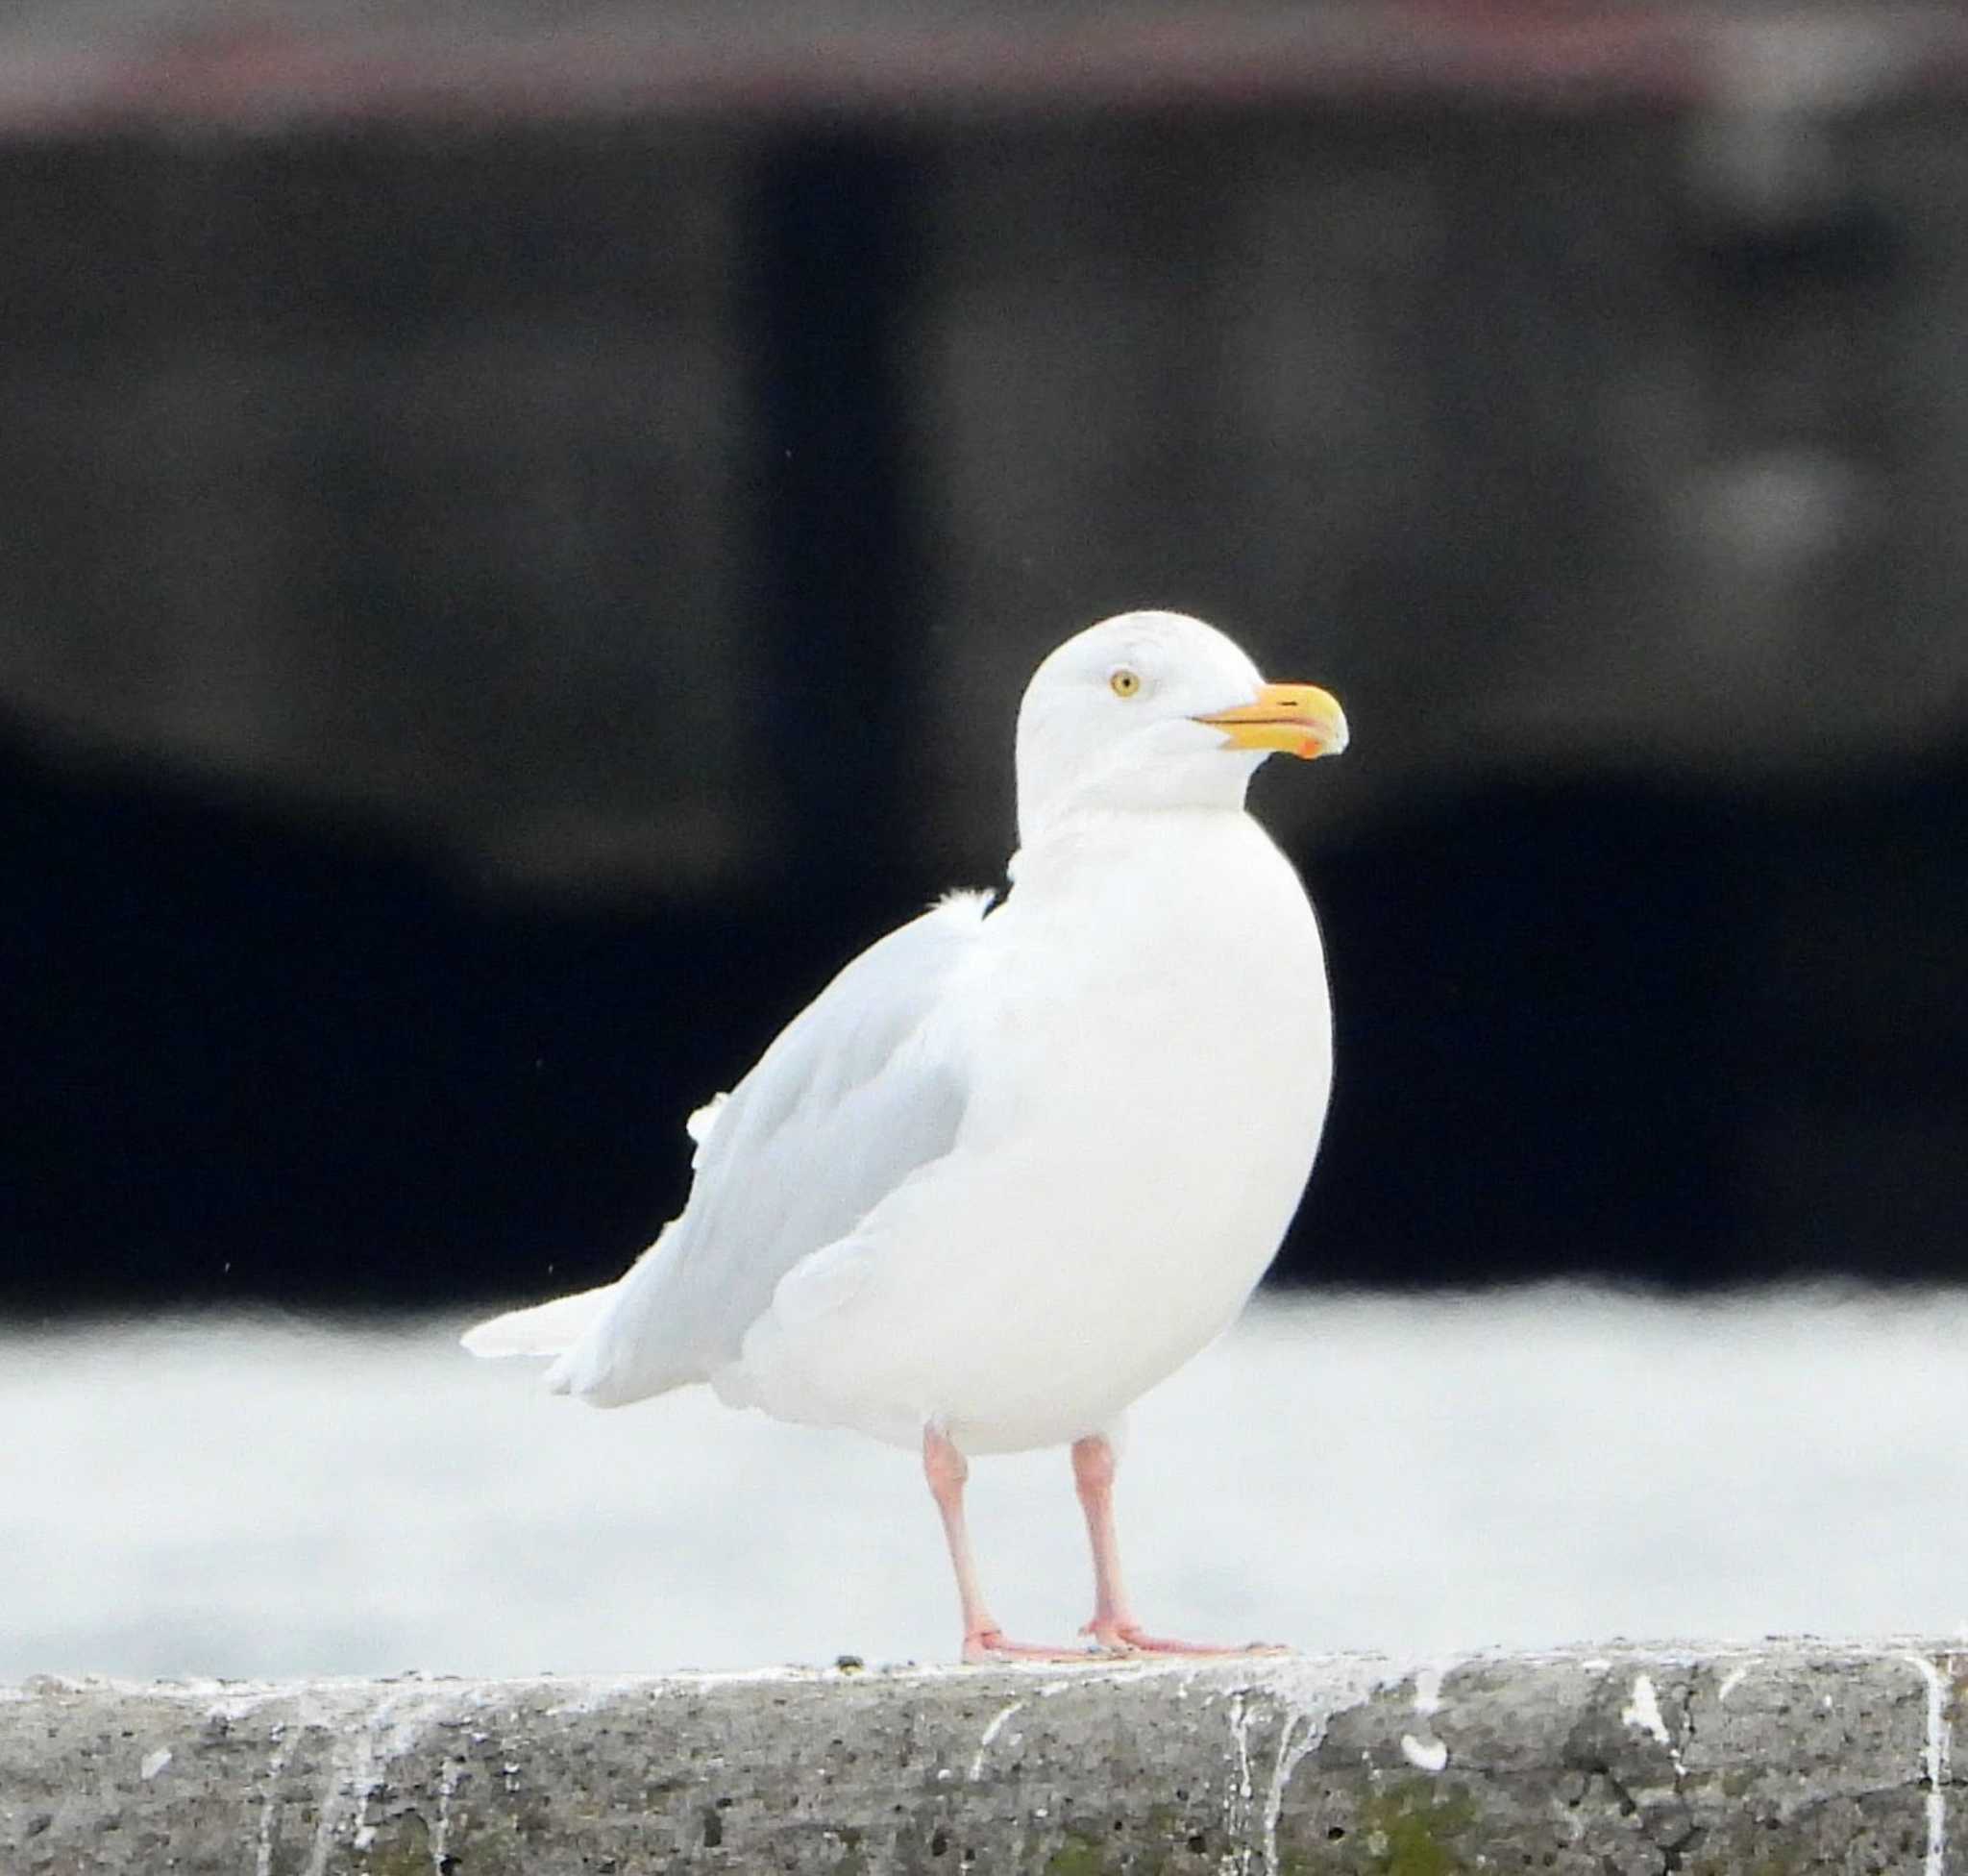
x,y
1774,1759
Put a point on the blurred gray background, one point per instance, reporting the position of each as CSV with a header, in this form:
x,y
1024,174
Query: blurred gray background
x,y
523,527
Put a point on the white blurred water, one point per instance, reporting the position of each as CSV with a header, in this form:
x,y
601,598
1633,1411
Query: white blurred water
x,y
252,1498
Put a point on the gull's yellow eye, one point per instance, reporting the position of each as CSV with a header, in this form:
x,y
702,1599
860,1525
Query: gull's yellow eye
x,y
1125,682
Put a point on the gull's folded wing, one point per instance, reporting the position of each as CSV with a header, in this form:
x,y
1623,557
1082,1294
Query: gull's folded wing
x,y
855,1094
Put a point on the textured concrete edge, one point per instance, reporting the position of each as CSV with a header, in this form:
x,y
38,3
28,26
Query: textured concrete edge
x,y
1769,1757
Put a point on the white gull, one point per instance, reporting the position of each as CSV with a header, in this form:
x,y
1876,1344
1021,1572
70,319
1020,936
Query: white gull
x,y
1015,1165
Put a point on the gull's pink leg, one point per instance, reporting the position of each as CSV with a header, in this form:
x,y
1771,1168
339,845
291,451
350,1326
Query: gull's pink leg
x,y
946,1469
1114,1626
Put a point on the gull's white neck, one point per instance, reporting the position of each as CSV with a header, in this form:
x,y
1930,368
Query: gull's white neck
x,y
1123,784
1095,836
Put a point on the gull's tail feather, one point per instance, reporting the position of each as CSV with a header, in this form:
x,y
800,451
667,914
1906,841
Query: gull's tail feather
x,y
546,1329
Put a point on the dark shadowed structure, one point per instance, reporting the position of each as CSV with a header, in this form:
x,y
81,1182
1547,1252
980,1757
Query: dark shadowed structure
x,y
521,535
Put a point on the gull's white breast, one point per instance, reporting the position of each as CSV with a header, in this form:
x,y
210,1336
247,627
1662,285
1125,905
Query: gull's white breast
x,y
1146,1028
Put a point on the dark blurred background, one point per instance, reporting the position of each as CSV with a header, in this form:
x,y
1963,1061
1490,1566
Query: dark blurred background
x,y
523,528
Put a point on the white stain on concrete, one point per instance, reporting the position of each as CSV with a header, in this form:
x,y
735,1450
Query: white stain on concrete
x,y
1421,1748
595,1692
1239,1787
991,1733
1935,1757
358,1767
1642,1713
1298,1695
440,1835
269,1806
1429,1755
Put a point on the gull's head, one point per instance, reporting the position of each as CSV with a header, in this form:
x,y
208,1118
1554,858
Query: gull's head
x,y
1155,710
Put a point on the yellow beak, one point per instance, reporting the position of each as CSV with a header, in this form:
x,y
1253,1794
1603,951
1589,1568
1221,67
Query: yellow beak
x,y
1300,719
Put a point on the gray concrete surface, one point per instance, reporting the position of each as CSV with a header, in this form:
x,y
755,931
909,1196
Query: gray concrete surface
x,y
1779,1758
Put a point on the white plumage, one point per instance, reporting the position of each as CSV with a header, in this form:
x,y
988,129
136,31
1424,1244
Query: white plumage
x,y
1015,1165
